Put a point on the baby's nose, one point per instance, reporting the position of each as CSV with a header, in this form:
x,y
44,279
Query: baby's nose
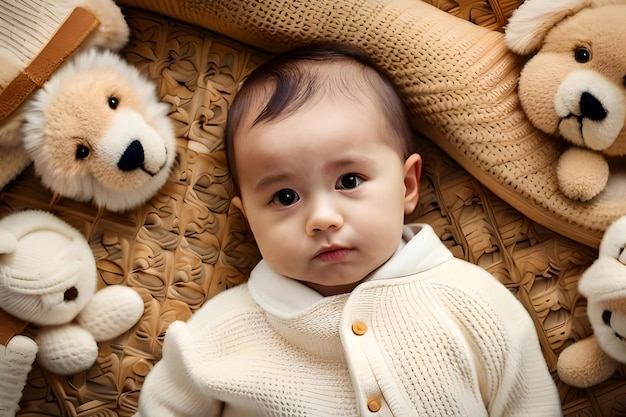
x,y
324,216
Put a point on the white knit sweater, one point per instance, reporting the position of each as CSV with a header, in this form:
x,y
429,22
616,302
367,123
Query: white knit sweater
x,y
434,336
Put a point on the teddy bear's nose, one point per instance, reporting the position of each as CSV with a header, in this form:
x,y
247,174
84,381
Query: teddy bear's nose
x,y
591,108
132,158
70,294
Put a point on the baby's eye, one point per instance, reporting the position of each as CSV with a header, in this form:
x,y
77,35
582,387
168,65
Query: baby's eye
x,y
349,181
286,197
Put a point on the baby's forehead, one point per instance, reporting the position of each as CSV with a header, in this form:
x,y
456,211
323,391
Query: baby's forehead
x,y
296,86
303,84
340,116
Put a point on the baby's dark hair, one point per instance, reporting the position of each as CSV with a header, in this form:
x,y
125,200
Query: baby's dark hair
x,y
287,82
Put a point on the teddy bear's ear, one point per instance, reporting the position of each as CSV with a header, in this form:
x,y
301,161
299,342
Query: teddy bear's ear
x,y
614,240
530,23
113,32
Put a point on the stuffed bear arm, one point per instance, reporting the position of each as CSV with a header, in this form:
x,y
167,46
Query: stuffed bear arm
x,y
582,174
584,364
72,348
111,311
16,359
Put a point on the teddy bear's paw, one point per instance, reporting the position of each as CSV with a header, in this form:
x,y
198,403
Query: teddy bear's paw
x,y
111,311
20,351
66,349
16,359
584,364
582,174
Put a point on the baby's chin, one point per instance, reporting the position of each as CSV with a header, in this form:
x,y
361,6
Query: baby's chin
x,y
328,290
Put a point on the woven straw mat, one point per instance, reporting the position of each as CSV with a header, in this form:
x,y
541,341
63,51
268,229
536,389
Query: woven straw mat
x,y
186,245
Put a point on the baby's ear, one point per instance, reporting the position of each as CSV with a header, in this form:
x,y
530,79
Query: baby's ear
x,y
412,175
236,201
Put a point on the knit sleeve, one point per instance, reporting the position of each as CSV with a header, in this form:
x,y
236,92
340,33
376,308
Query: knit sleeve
x,y
515,377
168,390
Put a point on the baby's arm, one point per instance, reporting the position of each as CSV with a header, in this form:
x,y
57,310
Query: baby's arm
x,y
521,384
169,390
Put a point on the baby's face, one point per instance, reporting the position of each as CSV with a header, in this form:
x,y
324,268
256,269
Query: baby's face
x,y
323,191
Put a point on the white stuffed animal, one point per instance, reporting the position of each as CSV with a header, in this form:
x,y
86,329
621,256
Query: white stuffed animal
x,y
594,359
48,277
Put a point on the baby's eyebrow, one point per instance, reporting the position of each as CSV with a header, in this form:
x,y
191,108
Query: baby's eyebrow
x,y
347,162
267,181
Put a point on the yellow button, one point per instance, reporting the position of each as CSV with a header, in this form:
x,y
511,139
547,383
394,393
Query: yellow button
x,y
374,404
359,328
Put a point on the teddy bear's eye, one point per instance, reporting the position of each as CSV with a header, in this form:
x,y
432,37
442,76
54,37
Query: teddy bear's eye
x,y
582,55
82,152
113,102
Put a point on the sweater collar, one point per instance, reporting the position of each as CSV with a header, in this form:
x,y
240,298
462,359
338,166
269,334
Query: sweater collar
x,y
419,250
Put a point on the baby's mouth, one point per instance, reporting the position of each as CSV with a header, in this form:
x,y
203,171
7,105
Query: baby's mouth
x,y
332,253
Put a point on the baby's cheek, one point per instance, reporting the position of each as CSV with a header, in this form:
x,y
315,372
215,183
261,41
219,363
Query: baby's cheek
x,y
380,229
276,241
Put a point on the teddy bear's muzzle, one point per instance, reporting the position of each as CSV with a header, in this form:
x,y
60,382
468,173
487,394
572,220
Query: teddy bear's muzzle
x,y
591,108
141,145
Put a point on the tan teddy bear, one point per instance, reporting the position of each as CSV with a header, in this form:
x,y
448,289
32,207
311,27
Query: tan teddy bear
x,y
36,37
95,130
574,84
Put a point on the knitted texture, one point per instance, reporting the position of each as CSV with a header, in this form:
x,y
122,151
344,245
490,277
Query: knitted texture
x,y
458,78
21,38
123,309
16,359
61,357
49,257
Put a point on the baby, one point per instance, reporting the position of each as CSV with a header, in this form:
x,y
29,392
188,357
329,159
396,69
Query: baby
x,y
350,312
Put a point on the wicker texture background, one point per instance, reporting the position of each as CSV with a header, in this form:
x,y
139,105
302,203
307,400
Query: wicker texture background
x,y
185,246
490,14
